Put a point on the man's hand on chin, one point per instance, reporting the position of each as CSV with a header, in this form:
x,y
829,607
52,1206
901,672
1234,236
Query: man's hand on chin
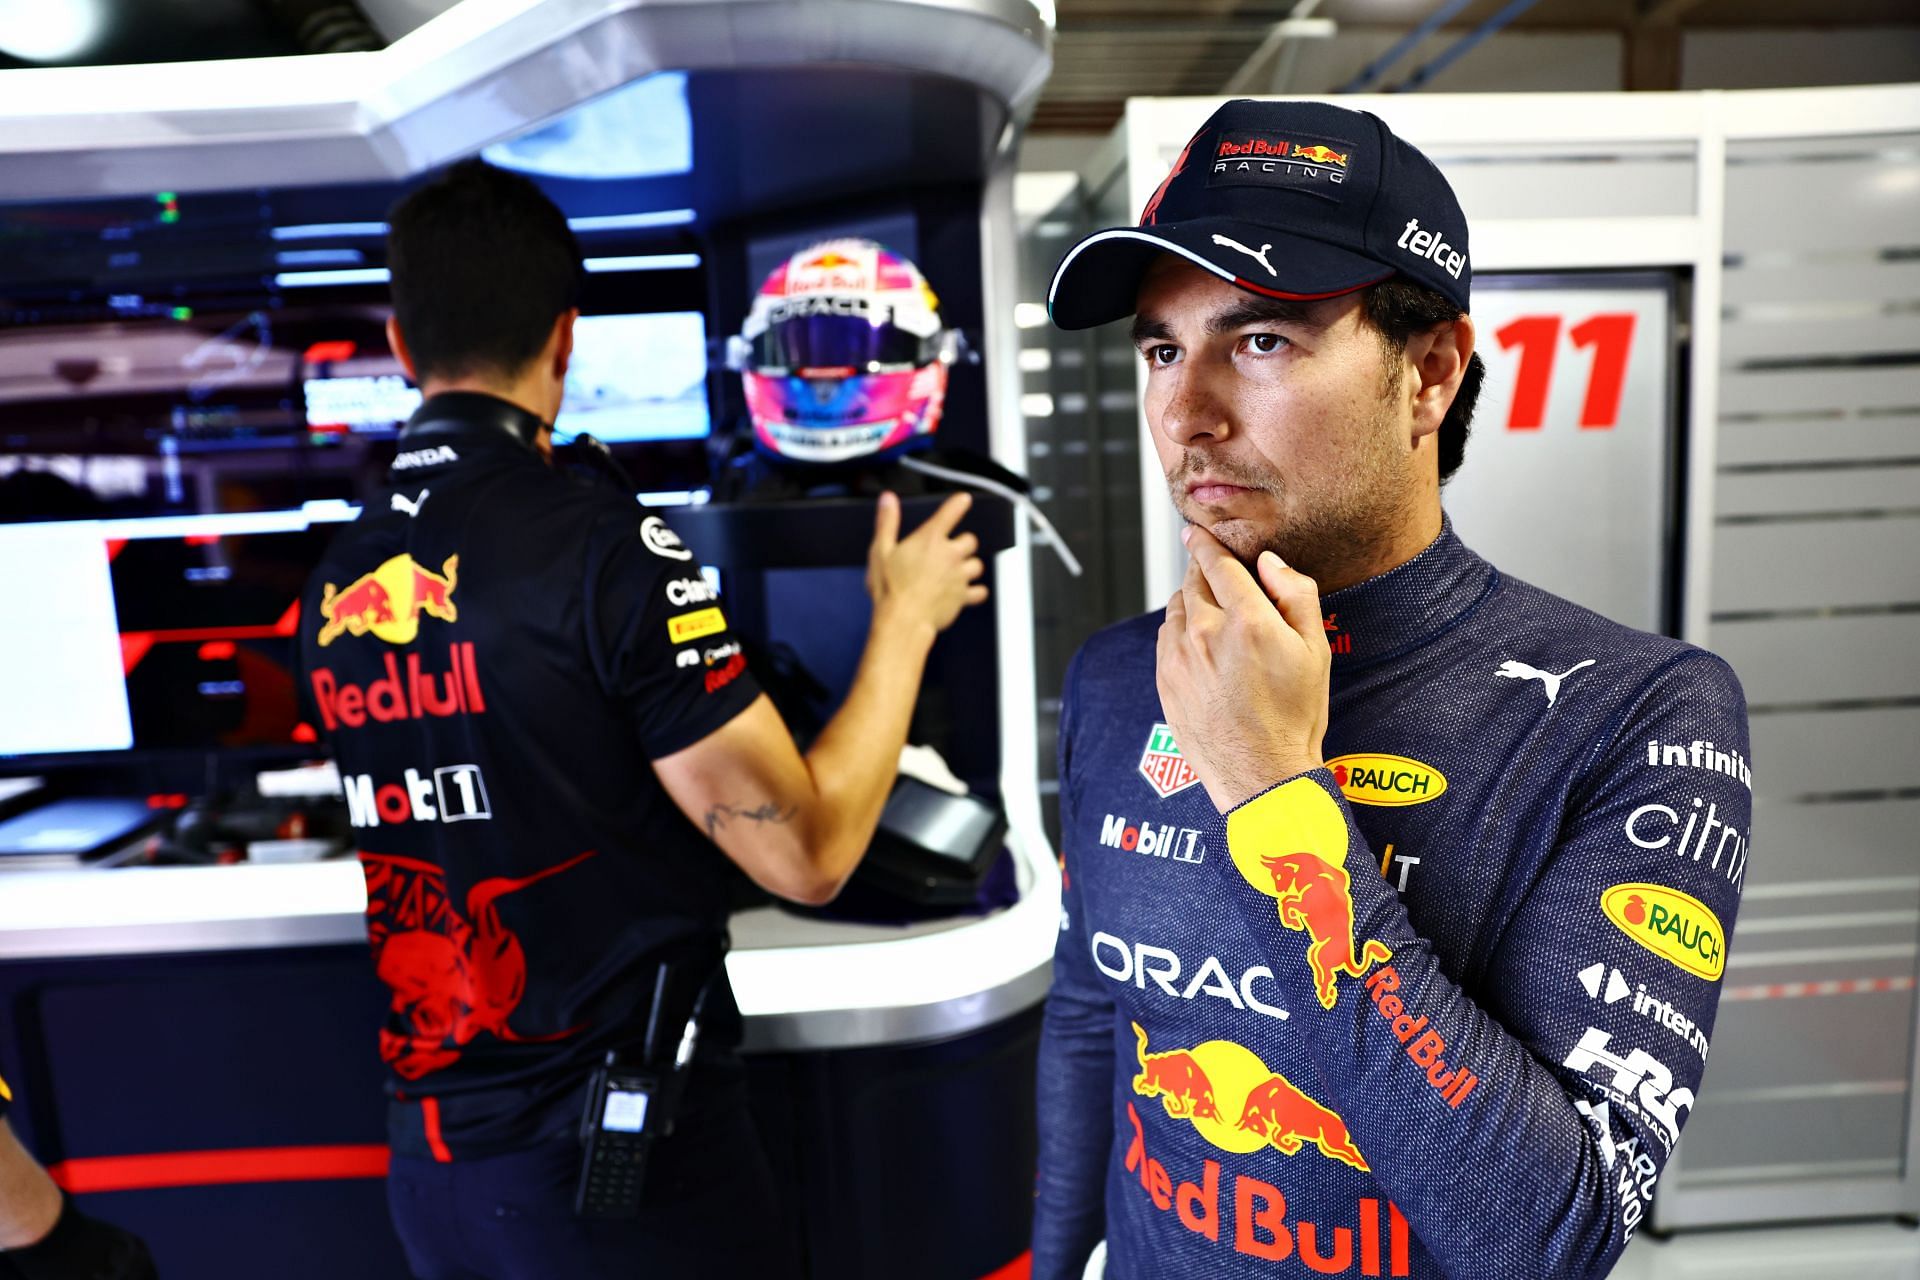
x,y
1242,670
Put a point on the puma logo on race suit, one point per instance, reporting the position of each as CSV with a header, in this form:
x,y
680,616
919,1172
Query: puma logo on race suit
x,y
1512,670
1227,242
412,508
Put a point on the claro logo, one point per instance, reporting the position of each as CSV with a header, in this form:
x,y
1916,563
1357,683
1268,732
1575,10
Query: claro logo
x,y
1677,928
1388,781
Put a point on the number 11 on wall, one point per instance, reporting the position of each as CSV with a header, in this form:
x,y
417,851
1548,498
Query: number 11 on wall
x,y
1538,337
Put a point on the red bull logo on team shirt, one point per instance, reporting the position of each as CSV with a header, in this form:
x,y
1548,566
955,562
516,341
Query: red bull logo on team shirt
x,y
1259,1227
1309,880
451,976
389,601
1238,1103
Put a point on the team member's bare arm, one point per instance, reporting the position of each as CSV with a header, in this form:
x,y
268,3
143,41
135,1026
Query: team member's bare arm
x,y
29,1202
800,824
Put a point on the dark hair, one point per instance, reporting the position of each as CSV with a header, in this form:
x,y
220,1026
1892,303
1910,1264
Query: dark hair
x,y
482,265
1399,308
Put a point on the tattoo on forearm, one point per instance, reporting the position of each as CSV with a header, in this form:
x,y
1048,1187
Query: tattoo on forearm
x,y
718,816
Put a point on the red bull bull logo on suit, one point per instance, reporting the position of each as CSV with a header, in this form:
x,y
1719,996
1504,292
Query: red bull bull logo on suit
x,y
1291,844
1238,1103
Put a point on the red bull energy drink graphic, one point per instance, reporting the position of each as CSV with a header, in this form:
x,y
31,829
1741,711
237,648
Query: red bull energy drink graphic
x,y
1238,1103
1309,883
389,601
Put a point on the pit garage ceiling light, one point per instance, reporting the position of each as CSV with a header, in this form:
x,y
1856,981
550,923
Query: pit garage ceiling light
x,y
50,30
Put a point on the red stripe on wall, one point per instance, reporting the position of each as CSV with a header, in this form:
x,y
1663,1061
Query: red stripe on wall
x,y
430,1117
213,1168
1021,1268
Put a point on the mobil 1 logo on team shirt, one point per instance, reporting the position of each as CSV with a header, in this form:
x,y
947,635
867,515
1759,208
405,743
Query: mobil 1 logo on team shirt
x,y
454,793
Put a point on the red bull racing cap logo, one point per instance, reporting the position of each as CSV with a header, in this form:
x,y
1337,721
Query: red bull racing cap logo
x,y
389,601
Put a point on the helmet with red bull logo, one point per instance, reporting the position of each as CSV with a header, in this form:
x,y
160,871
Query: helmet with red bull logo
x,y
843,356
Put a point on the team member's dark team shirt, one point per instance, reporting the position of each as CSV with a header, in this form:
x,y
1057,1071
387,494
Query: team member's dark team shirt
x,y
496,652
1438,1009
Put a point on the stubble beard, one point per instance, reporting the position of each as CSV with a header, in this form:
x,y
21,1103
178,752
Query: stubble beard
x,y
1340,533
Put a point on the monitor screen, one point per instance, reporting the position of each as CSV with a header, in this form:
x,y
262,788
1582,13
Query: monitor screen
x,y
638,377
157,634
632,378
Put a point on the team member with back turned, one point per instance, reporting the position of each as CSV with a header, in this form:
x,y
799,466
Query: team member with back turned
x,y
544,729
1397,890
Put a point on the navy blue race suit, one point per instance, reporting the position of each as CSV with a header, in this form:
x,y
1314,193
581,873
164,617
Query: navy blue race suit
x,y
1438,1009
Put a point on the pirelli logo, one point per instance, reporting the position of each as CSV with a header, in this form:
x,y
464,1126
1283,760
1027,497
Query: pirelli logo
x,y
697,625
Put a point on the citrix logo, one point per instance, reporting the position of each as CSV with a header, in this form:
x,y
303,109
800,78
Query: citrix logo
x,y
1433,246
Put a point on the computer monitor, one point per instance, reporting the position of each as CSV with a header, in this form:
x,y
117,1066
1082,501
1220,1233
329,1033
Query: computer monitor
x,y
633,378
170,633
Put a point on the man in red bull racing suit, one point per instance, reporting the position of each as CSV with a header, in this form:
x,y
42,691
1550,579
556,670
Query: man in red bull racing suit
x,y
544,728
1397,891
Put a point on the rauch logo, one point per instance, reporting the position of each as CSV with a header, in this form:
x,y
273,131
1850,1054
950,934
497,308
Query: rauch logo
x,y
1674,926
1390,781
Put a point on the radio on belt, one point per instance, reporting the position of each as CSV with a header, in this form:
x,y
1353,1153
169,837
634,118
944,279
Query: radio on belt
x,y
632,1106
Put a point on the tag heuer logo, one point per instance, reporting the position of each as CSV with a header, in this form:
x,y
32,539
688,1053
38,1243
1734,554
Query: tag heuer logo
x,y
1162,765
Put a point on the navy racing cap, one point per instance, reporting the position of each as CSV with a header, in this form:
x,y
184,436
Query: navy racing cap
x,y
1296,200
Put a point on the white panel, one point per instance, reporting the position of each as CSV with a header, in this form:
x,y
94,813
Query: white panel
x,y
1870,842
1821,752
1804,200
1891,488
1803,563
1822,278
1800,390
1792,336
1816,439
1841,659
1545,187
1577,511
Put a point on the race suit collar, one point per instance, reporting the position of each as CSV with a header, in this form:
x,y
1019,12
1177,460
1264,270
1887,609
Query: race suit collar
x,y
1408,605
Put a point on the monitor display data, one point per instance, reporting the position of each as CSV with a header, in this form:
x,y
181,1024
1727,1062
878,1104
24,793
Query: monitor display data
x,y
633,378
176,632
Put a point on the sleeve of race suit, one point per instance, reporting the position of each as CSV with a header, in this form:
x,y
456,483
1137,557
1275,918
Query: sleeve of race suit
x,y
1074,1090
1521,1129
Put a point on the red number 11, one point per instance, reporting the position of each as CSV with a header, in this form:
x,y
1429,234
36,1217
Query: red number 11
x,y
1538,337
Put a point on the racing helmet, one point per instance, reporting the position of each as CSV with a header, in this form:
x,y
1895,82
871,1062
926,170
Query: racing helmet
x,y
843,356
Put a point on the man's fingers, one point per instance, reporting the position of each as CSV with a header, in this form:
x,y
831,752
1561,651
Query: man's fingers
x,y
886,523
971,569
1232,586
1294,594
1194,586
1177,610
977,594
943,521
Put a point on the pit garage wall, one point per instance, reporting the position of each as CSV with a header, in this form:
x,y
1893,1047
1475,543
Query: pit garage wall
x,y
1788,223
